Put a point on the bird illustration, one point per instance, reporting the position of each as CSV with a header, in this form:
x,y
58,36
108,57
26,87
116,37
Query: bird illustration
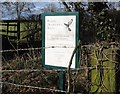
x,y
69,23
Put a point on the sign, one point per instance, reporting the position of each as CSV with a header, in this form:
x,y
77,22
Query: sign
x,y
59,38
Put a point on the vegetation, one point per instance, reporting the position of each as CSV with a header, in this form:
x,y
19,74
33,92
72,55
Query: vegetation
x,y
99,35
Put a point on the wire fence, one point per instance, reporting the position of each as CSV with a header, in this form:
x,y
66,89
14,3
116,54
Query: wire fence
x,y
34,87
92,70
28,49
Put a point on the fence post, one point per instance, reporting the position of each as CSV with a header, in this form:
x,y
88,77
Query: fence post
x,y
7,28
18,30
18,35
61,81
117,66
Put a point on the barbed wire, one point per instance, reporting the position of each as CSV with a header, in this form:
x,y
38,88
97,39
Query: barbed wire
x,y
35,87
58,70
95,67
27,49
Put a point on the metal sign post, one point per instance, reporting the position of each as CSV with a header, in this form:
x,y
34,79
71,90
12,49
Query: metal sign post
x,y
61,81
59,38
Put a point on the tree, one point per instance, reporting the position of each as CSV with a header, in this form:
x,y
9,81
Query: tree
x,y
17,9
51,7
95,23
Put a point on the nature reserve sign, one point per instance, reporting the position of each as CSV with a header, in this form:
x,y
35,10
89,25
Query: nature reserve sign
x,y
59,38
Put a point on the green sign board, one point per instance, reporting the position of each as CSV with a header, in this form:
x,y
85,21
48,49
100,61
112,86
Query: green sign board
x,y
59,38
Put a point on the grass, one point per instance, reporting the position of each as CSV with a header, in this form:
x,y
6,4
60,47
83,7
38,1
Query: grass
x,y
39,78
49,79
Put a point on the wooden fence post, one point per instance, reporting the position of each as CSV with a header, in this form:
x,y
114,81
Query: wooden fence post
x,y
18,35
18,30
7,28
117,71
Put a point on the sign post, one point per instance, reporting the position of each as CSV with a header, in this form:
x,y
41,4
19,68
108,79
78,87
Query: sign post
x,y
59,38
61,80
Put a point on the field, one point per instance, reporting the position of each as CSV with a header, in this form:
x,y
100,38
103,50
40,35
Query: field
x,y
27,29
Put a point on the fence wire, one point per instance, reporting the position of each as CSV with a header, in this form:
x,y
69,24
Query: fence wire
x,y
34,87
28,49
86,67
61,70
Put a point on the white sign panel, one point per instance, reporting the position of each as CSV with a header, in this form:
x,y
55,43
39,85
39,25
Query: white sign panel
x,y
60,40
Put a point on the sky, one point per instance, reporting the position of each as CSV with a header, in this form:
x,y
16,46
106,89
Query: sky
x,y
58,0
39,5
40,0
36,10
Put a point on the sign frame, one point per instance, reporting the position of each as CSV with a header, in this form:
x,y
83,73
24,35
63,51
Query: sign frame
x,y
43,36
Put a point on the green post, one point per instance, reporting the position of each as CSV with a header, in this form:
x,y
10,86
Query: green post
x,y
61,81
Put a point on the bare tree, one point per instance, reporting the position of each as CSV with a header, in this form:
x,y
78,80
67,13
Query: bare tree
x,y
51,7
17,9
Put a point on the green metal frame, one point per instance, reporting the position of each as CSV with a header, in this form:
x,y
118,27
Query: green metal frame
x,y
43,36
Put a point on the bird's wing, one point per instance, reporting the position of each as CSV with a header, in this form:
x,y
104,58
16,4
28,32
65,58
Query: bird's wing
x,y
69,29
70,22
66,24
